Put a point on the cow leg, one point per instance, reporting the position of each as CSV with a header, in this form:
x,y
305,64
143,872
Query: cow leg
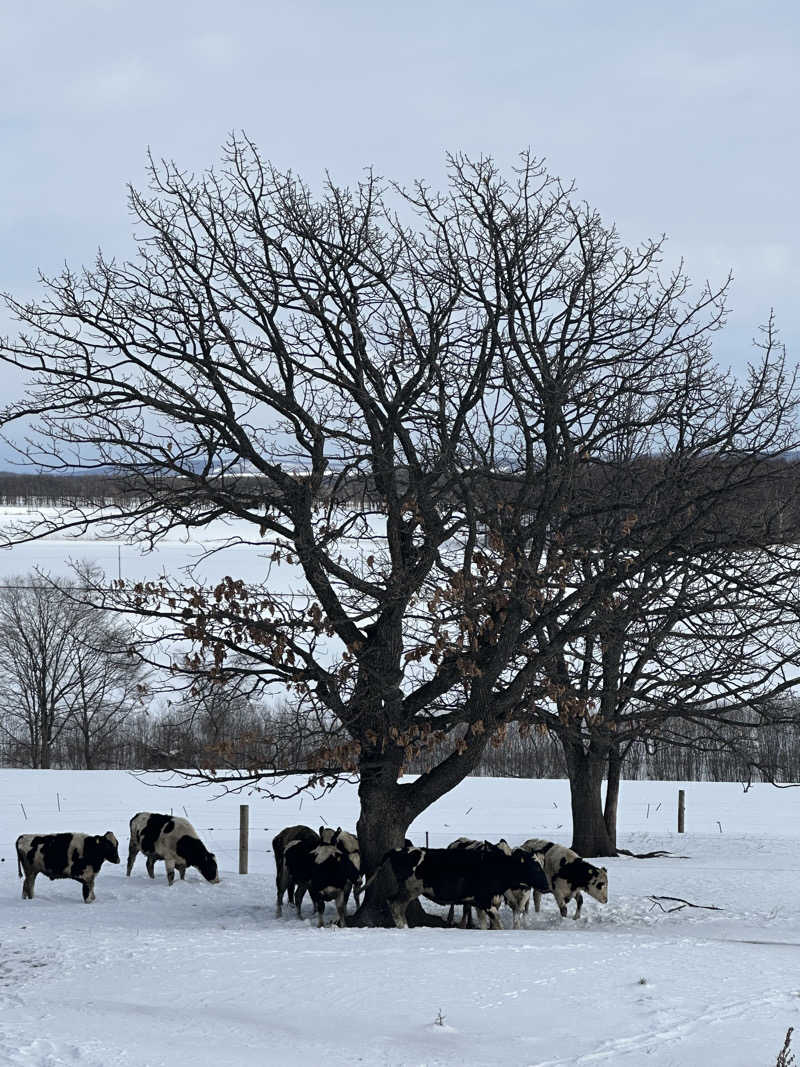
x,y
493,913
519,903
578,905
299,893
88,890
27,885
483,919
451,915
319,905
398,909
181,869
133,852
281,885
562,904
357,890
341,903
537,900
170,865
151,866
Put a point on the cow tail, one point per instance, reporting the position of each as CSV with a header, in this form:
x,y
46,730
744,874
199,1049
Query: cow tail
x,y
19,864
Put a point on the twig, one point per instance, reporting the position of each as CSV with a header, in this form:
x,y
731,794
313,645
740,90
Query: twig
x,y
681,904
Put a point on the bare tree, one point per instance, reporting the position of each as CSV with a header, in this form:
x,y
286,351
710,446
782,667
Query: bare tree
x,y
268,351
65,669
109,686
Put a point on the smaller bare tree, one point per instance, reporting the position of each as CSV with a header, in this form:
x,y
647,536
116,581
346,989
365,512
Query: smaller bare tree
x,y
65,670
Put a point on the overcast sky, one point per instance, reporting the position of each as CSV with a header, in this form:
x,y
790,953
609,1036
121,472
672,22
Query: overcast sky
x,y
679,118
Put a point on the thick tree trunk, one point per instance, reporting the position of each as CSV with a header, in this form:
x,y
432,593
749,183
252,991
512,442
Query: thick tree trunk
x,y
612,795
382,825
586,769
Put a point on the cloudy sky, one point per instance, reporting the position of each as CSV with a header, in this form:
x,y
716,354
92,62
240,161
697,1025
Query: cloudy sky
x,y
679,118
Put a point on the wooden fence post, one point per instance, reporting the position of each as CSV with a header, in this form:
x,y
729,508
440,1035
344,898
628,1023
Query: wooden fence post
x,y
244,828
681,809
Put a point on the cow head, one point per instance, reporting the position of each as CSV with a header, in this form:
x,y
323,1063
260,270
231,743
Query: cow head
x,y
597,884
531,872
109,847
198,856
207,866
328,836
404,861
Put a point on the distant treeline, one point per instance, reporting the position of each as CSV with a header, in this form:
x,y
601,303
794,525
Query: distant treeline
x,y
204,735
774,748
646,489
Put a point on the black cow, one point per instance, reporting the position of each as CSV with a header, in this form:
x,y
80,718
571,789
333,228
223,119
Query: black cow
x,y
173,840
456,876
280,842
77,856
325,872
517,899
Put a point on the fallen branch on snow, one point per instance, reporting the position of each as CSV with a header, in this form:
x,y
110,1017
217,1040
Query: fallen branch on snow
x,y
681,904
649,855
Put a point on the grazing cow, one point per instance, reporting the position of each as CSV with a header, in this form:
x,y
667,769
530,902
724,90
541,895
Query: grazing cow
x,y
77,856
173,840
280,842
567,874
347,843
325,872
456,876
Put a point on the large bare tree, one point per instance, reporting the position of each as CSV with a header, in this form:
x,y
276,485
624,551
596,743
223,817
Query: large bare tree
x,y
410,399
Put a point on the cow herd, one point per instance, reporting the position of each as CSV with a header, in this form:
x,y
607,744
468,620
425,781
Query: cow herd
x,y
327,866
478,874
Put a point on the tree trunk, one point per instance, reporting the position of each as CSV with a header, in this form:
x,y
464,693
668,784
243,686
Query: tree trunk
x,y
612,795
590,835
382,825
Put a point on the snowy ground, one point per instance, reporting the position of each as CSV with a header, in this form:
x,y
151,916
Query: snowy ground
x,y
207,975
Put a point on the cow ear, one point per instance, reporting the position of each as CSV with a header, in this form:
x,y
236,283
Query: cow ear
x,y
604,870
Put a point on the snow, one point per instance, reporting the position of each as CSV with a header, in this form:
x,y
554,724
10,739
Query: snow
x,y
205,974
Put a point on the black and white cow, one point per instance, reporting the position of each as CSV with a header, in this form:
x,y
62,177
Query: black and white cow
x,y
77,856
567,876
347,843
479,877
325,872
280,842
173,840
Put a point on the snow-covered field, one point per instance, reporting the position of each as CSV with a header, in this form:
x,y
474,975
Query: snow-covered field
x,y
204,974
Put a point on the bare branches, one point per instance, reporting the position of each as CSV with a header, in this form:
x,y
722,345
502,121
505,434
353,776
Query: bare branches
x,y
681,904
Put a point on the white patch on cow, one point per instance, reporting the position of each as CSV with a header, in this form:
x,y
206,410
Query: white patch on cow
x,y
324,852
